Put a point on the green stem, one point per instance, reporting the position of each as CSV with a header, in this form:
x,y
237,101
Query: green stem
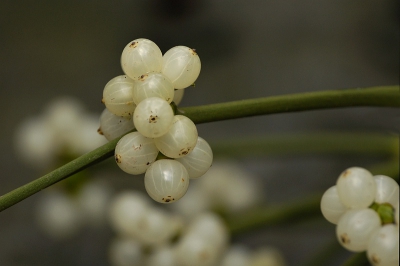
x,y
275,214
385,96
358,259
332,143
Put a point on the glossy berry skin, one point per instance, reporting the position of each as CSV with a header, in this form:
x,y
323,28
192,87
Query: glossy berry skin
x,y
180,139
153,85
199,160
140,57
355,227
356,187
134,153
113,126
117,96
166,181
182,66
331,206
153,117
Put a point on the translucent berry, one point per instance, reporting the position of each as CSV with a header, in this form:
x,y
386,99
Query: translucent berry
x,y
166,181
355,228
331,206
113,126
153,85
153,117
182,65
356,188
118,96
134,153
140,57
180,139
199,160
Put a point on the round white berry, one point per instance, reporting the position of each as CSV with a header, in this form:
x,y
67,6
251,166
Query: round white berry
x,y
84,137
199,160
163,256
180,139
157,227
93,199
182,65
355,227
36,143
196,251
383,246
236,255
125,252
126,210
153,117
356,187
210,227
241,189
387,190
58,215
113,126
204,241
134,153
396,213
153,85
139,57
331,206
118,96
166,181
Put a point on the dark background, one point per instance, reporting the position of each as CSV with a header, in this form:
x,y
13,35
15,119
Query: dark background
x,y
248,49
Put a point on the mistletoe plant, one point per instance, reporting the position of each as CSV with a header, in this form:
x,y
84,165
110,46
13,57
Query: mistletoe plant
x,y
150,134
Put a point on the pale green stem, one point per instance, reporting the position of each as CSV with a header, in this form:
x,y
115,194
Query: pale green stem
x,y
384,96
358,259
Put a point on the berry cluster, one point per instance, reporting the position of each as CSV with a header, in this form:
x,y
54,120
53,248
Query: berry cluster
x,y
154,237
366,211
141,99
65,129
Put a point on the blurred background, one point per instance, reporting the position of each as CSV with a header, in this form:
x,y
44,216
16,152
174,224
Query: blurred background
x,y
248,49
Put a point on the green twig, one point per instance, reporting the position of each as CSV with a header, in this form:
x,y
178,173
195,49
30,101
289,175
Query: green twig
x,y
385,96
358,259
275,214
332,143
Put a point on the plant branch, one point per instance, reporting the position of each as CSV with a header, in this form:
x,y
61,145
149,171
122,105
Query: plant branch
x,y
357,259
385,96
332,143
275,214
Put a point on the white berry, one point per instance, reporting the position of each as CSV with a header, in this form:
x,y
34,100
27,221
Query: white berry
x,y
166,181
180,139
140,57
153,117
118,96
356,187
113,126
153,85
182,65
199,160
387,190
134,153
383,246
355,228
331,206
